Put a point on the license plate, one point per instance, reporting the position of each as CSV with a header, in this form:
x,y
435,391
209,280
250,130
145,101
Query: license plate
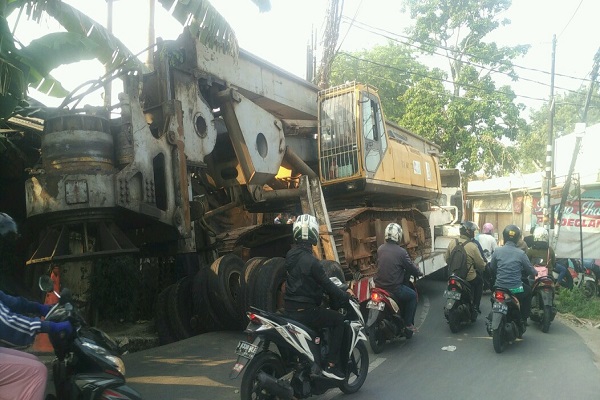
x,y
500,307
376,305
246,350
451,294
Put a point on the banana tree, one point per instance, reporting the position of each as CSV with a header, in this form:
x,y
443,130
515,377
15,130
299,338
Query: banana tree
x,y
22,67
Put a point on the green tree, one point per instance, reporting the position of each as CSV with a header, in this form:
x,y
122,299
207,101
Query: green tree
x,y
392,69
482,119
568,111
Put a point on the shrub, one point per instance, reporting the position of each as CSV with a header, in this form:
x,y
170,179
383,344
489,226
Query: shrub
x,y
574,302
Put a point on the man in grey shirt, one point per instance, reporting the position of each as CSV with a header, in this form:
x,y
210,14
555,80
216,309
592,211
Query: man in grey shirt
x,y
510,264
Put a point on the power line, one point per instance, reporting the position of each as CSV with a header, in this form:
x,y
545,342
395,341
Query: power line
x,y
378,31
570,19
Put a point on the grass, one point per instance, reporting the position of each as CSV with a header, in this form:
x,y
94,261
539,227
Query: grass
x,y
574,302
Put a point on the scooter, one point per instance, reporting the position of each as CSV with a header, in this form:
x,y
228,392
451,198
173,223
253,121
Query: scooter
x,y
459,309
384,321
87,365
294,369
542,298
504,323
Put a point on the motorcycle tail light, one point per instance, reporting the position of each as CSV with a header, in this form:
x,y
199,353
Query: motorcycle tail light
x,y
109,394
376,297
452,282
588,271
254,319
499,296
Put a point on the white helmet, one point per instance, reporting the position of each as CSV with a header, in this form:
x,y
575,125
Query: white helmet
x,y
393,232
540,234
306,229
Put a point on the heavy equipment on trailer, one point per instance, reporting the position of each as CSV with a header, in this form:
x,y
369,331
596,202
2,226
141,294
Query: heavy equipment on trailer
x,y
204,147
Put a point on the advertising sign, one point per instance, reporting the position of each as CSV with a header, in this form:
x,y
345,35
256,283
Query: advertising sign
x,y
568,244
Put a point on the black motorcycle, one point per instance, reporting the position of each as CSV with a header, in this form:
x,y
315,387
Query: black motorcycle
x,y
459,309
87,365
504,323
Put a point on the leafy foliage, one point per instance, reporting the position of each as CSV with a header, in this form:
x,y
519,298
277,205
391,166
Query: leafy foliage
x,y
567,112
481,119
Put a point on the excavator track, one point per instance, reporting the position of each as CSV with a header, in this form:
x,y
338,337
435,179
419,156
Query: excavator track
x,y
357,233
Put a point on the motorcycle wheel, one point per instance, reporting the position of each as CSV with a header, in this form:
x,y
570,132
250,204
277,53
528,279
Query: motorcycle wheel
x,y
453,321
267,362
589,289
498,338
357,369
546,319
376,338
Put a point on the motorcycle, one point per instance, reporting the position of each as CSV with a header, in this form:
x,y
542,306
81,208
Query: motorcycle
x,y
542,298
583,277
459,309
504,323
294,370
87,363
384,321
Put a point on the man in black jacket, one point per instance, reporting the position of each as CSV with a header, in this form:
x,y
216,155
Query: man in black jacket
x,y
305,284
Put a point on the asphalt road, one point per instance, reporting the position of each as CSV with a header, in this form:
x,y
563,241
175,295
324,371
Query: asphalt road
x,y
556,365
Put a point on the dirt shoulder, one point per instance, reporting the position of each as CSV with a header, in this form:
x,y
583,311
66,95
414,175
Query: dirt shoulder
x,y
587,329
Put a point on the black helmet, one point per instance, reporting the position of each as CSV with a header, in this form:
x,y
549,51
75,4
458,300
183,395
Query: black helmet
x,y
468,228
511,233
7,225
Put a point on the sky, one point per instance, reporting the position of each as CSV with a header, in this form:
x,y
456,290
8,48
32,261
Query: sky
x,y
281,35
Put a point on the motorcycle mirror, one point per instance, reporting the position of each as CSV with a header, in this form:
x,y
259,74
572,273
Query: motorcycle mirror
x,y
46,283
336,281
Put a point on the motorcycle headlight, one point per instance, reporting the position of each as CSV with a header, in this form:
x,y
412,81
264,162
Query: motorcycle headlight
x,y
117,363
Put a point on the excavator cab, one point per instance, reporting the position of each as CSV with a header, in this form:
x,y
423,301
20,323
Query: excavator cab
x,y
357,158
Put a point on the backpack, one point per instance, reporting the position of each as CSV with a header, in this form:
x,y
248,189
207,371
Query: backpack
x,y
457,261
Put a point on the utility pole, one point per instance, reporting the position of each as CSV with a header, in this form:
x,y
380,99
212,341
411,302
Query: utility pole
x,y
580,131
330,39
548,222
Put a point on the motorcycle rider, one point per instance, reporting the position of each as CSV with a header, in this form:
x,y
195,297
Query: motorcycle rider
x,y
540,248
306,281
510,264
487,240
394,266
22,375
475,260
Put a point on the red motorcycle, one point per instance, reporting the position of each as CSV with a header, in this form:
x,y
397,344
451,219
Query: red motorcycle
x,y
385,321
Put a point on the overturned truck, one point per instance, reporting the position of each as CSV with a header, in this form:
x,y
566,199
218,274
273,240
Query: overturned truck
x,y
202,150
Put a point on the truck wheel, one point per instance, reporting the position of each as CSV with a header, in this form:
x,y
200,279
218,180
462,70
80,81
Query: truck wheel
x,y
180,308
269,285
204,319
250,269
161,319
224,289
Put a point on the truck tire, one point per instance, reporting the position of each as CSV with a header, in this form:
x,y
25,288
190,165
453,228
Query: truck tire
x,y
204,318
250,269
224,290
161,319
180,308
268,288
